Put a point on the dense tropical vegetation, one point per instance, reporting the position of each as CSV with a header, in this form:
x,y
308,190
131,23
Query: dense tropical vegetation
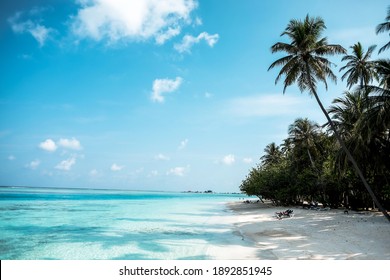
x,y
345,162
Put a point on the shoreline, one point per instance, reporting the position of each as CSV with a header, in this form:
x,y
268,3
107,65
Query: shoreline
x,y
308,235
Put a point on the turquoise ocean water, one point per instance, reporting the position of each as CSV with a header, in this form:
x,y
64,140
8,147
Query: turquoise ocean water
x,y
74,224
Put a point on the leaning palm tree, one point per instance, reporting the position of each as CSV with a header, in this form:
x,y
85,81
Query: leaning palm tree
x,y
384,27
306,64
360,69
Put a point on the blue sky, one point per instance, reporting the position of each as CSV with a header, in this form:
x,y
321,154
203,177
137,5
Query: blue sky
x,y
154,95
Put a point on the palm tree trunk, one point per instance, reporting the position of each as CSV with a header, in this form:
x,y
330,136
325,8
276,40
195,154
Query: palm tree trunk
x,y
311,160
350,157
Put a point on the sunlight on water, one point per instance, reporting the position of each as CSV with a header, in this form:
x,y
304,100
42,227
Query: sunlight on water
x,y
39,223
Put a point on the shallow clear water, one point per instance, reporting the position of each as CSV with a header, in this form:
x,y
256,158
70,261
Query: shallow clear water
x,y
48,223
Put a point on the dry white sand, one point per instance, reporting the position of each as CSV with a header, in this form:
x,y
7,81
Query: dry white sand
x,y
309,234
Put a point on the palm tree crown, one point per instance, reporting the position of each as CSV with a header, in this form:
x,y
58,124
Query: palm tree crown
x,y
382,68
347,111
384,27
359,67
272,154
304,133
380,97
305,62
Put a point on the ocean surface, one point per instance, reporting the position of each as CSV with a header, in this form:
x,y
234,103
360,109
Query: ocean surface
x,y
84,224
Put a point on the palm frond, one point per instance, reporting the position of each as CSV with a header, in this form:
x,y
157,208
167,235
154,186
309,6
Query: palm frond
x,y
291,76
287,69
280,62
347,73
383,27
283,47
369,52
385,47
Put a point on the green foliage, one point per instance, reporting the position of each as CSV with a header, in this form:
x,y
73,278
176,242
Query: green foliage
x,y
310,164
289,176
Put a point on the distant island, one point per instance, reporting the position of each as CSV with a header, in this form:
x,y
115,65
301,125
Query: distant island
x,y
210,191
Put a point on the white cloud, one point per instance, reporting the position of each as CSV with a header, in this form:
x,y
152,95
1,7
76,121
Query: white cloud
x,y
350,36
162,86
153,173
178,171
25,56
208,95
162,157
11,157
72,144
40,32
34,164
247,160
51,146
115,167
228,159
93,173
198,21
270,105
163,37
48,145
115,20
183,144
139,170
188,41
67,164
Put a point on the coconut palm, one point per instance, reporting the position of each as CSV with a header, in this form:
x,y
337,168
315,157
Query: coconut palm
x,y
363,120
359,67
382,67
384,27
377,117
305,64
347,115
303,134
272,154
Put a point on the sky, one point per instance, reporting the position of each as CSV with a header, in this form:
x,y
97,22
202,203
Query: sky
x,y
168,95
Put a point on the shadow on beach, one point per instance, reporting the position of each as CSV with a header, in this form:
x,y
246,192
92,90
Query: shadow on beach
x,y
311,234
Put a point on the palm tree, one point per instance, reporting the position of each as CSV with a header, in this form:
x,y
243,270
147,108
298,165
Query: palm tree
x,y
347,115
384,27
377,120
362,118
377,117
272,154
303,133
306,64
382,67
305,136
359,67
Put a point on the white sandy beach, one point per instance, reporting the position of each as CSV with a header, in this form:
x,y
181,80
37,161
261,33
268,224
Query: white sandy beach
x,y
309,234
